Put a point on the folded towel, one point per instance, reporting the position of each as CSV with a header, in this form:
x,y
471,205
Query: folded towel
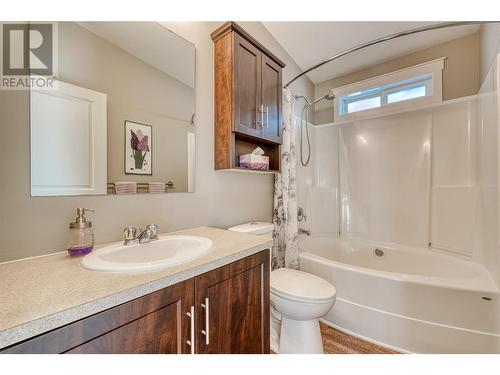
x,y
156,187
124,187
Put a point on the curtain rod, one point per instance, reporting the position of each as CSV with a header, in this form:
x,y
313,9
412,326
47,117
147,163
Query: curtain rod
x,y
386,38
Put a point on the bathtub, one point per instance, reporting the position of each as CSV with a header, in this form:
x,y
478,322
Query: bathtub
x,y
408,299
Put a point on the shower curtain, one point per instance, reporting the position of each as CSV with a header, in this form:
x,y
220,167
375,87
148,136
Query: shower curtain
x,y
285,249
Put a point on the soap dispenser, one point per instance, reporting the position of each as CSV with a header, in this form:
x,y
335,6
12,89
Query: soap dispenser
x,y
81,235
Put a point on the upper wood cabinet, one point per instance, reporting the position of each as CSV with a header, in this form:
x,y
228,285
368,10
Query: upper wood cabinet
x,y
271,99
247,87
248,97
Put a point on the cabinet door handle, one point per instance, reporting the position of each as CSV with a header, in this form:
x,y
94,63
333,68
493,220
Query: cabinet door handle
x,y
267,117
206,331
258,113
191,317
262,114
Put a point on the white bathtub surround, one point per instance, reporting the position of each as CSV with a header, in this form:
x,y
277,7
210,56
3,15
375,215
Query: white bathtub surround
x,y
384,178
422,186
300,299
407,298
285,249
487,173
419,177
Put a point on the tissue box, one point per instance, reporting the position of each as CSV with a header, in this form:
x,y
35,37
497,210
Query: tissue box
x,y
253,161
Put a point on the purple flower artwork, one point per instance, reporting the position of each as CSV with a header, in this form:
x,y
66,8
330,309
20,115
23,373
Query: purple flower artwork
x,y
137,148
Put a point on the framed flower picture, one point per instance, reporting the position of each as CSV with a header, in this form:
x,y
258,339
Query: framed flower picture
x,y
138,148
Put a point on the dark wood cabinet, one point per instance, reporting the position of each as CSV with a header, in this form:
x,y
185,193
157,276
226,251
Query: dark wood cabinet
x,y
237,298
248,97
155,323
271,99
233,305
248,87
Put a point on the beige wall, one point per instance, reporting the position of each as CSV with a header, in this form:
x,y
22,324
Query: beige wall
x,y
489,42
33,226
460,76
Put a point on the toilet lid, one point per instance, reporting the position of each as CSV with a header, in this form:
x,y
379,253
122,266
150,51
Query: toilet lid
x,y
301,286
255,227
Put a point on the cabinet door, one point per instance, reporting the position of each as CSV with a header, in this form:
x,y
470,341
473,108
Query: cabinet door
x,y
247,87
232,306
271,99
155,323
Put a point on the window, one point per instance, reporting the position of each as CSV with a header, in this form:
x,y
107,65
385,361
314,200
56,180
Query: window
x,y
419,84
376,97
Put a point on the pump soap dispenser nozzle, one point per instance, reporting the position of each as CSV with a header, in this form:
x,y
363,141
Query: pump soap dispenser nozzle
x,y
81,235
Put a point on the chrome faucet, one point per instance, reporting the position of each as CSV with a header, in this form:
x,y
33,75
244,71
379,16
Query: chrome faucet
x,y
147,235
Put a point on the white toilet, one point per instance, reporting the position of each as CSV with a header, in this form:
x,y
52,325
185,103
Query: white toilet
x,y
301,299
298,300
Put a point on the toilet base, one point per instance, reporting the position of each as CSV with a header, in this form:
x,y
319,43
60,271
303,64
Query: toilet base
x,y
300,337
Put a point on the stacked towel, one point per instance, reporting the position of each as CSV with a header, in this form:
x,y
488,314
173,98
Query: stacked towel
x,y
156,187
123,187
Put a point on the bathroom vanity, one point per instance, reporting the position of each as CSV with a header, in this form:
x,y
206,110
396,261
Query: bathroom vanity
x,y
217,304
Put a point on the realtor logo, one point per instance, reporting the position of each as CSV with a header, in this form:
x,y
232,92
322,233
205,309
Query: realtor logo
x,y
28,55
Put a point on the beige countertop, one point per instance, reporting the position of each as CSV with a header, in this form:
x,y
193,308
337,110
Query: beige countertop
x,y
43,293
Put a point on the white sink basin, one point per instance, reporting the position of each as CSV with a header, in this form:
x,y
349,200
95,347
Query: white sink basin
x,y
165,252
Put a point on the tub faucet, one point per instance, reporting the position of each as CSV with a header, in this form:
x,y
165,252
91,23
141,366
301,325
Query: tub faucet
x,y
305,231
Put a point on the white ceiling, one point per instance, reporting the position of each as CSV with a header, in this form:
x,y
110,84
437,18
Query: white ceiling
x,y
152,43
308,43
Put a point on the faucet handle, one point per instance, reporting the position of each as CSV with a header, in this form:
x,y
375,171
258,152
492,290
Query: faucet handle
x,y
130,235
154,231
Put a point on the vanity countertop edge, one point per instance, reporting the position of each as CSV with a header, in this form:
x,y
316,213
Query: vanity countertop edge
x,y
34,301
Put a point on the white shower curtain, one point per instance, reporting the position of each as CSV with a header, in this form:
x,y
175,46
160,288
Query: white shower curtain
x,y
285,249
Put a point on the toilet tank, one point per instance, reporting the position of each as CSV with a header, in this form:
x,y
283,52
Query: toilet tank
x,y
259,228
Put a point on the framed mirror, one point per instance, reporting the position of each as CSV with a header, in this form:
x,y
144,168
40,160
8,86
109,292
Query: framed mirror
x,y
120,118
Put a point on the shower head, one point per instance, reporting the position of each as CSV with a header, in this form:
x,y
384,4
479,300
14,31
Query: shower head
x,y
330,95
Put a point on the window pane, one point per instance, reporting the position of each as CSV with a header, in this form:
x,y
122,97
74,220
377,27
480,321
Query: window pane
x,y
379,96
406,94
362,105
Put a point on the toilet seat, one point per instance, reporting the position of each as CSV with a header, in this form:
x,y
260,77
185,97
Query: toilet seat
x,y
301,286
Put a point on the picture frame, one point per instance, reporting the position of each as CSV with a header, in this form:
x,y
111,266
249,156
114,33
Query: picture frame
x,y
138,148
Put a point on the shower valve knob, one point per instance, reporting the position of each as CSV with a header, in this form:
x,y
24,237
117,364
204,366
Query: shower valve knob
x,y
301,215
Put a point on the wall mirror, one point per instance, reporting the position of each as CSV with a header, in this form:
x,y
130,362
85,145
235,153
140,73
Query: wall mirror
x,y
121,118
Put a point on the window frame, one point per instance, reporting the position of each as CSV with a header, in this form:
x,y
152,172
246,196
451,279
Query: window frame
x,y
429,73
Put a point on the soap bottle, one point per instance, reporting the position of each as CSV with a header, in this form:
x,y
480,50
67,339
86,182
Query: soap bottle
x,y
81,235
